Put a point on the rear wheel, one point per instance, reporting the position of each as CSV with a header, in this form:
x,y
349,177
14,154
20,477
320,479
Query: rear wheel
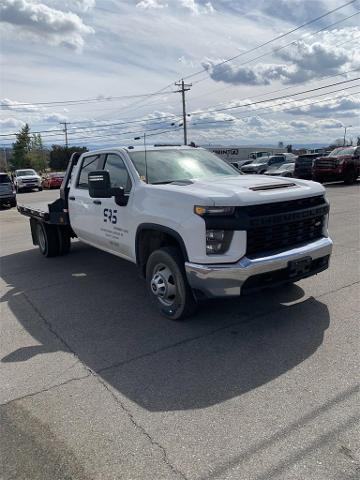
x,y
40,189
64,241
47,239
167,284
13,203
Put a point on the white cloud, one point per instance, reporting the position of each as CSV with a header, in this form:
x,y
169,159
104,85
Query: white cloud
x,y
343,105
192,6
43,22
8,104
10,123
304,60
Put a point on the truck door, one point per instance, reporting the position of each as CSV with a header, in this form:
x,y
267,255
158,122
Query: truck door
x,y
113,221
81,207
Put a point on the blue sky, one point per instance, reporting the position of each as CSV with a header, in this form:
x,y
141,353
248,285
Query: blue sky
x,y
86,49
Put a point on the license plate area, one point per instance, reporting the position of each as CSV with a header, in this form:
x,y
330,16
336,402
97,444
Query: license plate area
x,y
298,268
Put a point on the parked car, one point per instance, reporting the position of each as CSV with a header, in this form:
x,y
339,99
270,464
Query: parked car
x,y
52,179
195,227
27,179
303,165
284,170
261,164
342,164
7,191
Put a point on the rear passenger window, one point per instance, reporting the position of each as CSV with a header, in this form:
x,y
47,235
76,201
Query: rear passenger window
x,y
119,176
89,164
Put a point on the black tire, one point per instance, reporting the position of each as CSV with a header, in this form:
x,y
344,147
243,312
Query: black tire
x,y
64,241
48,239
181,303
13,203
40,189
350,176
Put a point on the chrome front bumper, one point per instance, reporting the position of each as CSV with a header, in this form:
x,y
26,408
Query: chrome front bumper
x,y
222,280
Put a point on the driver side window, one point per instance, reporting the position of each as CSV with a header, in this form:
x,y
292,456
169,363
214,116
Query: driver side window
x,y
119,176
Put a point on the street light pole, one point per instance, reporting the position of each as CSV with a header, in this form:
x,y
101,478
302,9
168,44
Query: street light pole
x,y
348,126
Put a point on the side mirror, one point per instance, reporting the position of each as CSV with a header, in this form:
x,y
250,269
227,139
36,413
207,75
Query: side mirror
x,y
100,187
99,184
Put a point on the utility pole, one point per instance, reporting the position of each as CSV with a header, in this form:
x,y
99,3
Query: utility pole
x,y
66,132
184,87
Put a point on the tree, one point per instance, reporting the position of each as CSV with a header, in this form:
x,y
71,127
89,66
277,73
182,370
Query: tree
x,y
21,148
60,156
289,148
358,141
38,154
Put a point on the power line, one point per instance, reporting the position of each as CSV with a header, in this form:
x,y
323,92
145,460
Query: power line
x,y
275,50
273,39
277,98
81,101
213,110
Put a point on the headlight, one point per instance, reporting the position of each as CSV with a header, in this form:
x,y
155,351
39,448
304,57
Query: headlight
x,y
217,241
213,211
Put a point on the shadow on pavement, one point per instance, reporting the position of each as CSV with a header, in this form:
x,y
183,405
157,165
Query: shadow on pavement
x,y
95,305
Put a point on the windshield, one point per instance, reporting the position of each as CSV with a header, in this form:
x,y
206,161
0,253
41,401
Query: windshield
x,y
175,165
287,166
346,151
334,152
25,173
4,179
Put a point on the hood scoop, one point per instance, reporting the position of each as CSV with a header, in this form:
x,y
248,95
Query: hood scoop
x,y
182,183
272,187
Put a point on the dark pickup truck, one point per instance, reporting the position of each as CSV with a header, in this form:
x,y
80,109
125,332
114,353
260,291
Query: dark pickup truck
x,y
341,164
303,166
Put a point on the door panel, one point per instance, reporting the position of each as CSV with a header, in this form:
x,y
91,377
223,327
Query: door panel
x,y
113,223
82,208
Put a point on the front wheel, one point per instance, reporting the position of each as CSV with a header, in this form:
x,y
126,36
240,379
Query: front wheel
x,y
40,189
167,284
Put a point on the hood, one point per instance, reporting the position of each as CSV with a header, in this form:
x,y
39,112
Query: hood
x,y
246,190
28,177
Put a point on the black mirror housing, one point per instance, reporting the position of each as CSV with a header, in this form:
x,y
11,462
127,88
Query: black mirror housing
x,y
99,184
100,187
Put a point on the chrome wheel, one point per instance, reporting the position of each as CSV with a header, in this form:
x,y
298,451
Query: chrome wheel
x,y
163,284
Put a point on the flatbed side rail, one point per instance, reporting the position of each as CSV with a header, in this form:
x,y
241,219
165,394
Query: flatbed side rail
x,y
54,218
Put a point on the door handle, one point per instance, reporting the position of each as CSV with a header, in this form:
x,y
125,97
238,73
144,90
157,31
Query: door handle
x,y
97,202
71,198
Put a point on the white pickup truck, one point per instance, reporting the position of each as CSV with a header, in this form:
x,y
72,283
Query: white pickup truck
x,y
26,179
194,225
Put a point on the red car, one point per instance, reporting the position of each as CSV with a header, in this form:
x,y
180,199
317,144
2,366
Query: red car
x,y
342,164
52,179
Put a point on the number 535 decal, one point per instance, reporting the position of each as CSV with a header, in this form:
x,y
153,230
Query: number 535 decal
x,y
110,215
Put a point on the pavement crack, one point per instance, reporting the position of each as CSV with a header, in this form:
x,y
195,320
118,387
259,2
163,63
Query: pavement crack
x,y
141,429
55,333
94,374
44,390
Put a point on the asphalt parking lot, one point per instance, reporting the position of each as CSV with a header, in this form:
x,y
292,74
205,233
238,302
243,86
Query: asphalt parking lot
x,y
95,385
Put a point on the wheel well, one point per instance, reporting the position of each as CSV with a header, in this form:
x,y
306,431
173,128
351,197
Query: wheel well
x,y
149,239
